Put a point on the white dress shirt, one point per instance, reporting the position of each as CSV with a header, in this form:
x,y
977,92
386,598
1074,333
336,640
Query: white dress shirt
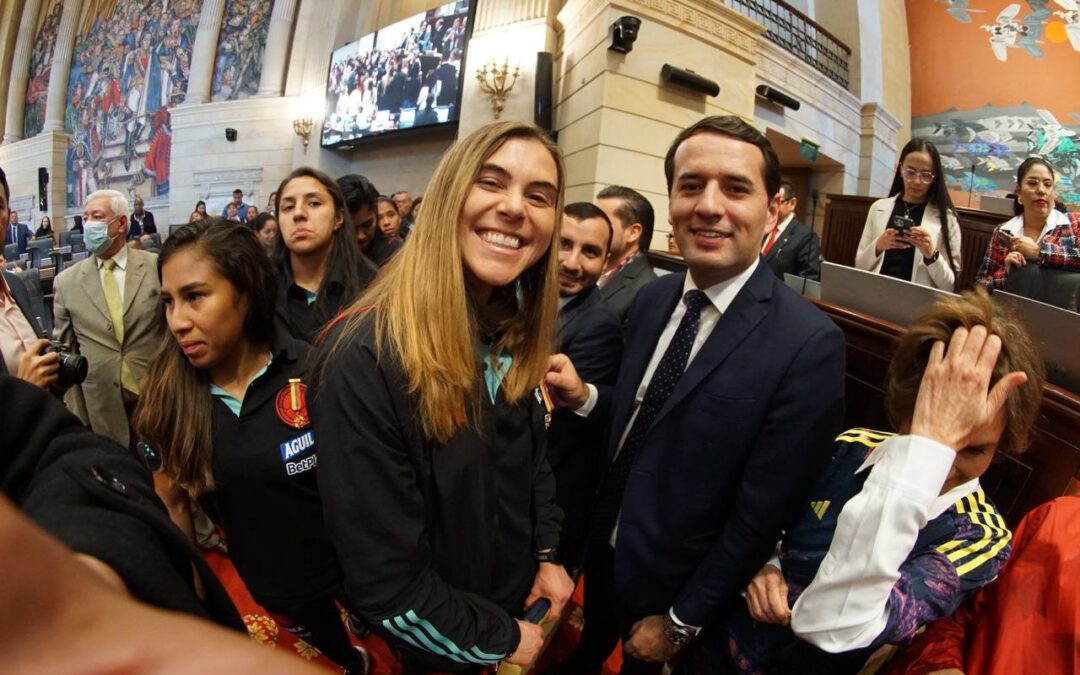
x,y
845,607
119,272
1015,226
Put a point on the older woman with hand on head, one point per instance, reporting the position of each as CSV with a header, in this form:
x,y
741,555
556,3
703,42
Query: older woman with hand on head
x,y
1039,234
898,531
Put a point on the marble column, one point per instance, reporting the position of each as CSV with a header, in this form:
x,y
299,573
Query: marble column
x,y
61,66
20,73
204,52
276,56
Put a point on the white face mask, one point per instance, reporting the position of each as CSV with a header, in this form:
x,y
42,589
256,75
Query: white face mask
x,y
96,236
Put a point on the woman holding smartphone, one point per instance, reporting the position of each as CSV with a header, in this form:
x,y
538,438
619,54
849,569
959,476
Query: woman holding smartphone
x,y
914,235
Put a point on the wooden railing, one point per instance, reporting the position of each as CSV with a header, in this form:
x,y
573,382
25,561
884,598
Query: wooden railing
x,y
798,34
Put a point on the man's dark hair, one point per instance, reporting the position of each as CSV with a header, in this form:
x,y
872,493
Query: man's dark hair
x,y
788,187
4,183
238,191
586,210
732,127
633,209
358,192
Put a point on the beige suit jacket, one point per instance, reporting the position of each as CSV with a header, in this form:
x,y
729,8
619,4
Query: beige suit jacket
x,y
82,321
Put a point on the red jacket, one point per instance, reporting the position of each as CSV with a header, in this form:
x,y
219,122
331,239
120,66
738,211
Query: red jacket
x,y
1025,622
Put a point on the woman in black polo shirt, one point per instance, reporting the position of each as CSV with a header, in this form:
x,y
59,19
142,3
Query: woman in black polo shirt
x,y
225,405
319,260
437,491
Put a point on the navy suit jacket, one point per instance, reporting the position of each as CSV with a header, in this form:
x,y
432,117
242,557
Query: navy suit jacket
x,y
23,235
621,289
591,335
796,251
734,451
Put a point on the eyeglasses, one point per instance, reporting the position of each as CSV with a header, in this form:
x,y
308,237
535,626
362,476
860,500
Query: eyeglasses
x,y
1034,183
924,176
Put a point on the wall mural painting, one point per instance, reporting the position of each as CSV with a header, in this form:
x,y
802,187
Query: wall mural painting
x,y
1002,96
238,67
37,89
129,69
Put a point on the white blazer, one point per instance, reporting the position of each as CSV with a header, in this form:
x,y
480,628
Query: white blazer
x,y
937,274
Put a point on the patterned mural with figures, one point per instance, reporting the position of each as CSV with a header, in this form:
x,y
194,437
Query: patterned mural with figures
x,y
993,82
128,70
238,66
37,88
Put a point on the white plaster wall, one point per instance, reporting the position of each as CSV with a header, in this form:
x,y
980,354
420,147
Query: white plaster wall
x,y
256,162
829,115
616,118
21,160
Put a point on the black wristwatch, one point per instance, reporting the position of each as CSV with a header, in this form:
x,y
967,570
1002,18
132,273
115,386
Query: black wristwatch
x,y
680,636
550,555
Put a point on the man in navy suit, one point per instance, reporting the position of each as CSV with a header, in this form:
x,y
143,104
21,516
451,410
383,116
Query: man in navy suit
x,y
724,411
628,267
18,233
791,247
591,335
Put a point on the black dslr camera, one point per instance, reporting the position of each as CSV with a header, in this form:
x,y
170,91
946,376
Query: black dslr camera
x,y
73,367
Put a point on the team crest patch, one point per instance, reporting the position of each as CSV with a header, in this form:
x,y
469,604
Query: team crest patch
x,y
291,404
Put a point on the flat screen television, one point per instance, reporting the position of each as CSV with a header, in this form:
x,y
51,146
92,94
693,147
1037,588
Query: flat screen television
x,y
406,76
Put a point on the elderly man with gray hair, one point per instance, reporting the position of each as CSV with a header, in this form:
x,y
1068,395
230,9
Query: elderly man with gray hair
x,y
106,308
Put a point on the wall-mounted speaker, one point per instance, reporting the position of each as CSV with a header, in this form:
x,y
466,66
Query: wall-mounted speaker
x,y
688,79
230,134
43,188
543,90
776,96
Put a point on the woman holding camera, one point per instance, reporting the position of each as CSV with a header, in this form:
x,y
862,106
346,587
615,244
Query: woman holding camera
x,y
914,235
437,490
1038,234
23,353
224,403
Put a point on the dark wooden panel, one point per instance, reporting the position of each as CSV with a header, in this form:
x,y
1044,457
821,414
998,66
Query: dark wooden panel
x,y
845,217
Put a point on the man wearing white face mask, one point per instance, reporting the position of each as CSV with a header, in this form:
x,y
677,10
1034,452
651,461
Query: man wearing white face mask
x,y
106,308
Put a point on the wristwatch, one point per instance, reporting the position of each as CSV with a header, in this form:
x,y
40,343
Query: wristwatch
x,y
932,259
680,636
550,555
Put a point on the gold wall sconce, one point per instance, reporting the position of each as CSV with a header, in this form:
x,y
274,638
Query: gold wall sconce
x,y
303,126
497,81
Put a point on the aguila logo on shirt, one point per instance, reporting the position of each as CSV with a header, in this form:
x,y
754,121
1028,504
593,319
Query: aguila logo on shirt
x,y
292,450
291,404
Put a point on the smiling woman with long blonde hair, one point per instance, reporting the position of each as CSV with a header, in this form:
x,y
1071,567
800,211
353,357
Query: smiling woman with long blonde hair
x,y
436,488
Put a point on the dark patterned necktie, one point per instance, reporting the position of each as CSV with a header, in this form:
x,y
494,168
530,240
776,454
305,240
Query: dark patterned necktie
x,y
670,369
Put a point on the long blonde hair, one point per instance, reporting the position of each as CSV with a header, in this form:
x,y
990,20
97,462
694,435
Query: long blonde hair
x,y
423,314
